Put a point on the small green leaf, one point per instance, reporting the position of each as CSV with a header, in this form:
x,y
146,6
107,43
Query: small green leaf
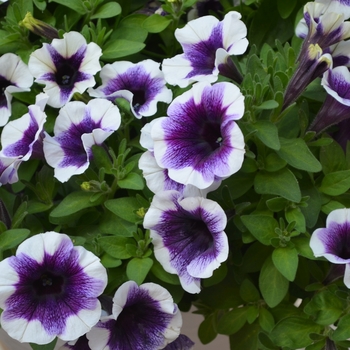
x,y
207,330
282,183
285,8
76,5
267,132
343,329
121,48
132,181
294,214
73,203
299,337
158,271
11,238
336,183
111,9
108,261
262,227
124,207
156,23
270,104
232,321
248,291
296,153
50,346
116,246
273,285
266,320
138,268
286,261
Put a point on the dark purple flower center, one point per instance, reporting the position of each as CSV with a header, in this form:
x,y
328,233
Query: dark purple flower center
x,y
139,98
211,134
4,83
48,284
66,74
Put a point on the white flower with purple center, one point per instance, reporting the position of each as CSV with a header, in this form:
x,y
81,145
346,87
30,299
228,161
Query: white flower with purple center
x,y
14,77
336,106
188,236
50,288
143,317
22,137
78,127
141,84
201,40
65,66
333,241
200,142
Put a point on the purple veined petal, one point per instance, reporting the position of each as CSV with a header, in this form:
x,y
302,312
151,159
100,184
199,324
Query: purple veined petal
x,y
65,66
200,40
21,137
182,342
141,84
200,141
8,169
14,77
336,82
54,290
144,317
332,242
340,6
189,239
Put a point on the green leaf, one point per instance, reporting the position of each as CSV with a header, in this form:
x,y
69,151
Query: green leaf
x,y
248,291
298,330
332,157
302,245
296,153
273,162
132,181
267,132
286,261
262,227
138,268
125,208
207,330
285,8
108,261
156,23
325,307
270,104
114,225
266,320
294,214
76,5
273,285
336,183
73,203
277,204
246,338
121,48
343,329
101,158
111,9
232,321
11,238
116,246
282,183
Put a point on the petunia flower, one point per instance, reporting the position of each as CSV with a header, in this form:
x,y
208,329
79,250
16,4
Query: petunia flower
x,y
336,106
9,169
65,66
50,288
14,77
199,142
22,137
143,317
200,40
78,127
188,236
332,242
141,84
